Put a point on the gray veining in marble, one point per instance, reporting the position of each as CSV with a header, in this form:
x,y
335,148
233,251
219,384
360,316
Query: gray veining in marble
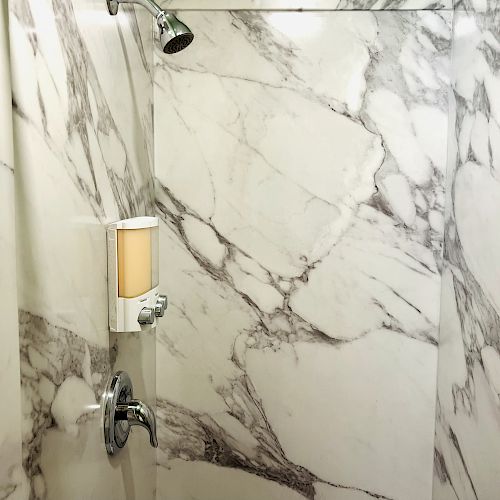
x,y
485,6
82,95
304,184
63,377
301,199
13,482
468,414
307,4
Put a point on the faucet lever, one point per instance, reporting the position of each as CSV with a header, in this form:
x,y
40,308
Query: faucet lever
x,y
136,412
121,412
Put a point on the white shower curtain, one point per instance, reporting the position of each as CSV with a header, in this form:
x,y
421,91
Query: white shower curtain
x,y
13,483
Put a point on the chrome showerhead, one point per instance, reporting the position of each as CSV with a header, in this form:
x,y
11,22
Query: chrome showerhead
x,y
174,35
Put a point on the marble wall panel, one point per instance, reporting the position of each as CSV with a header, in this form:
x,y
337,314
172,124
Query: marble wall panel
x,y
485,6
309,4
82,97
13,482
468,410
300,162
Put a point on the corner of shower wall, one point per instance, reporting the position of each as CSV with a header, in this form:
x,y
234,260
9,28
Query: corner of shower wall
x,y
467,442
13,482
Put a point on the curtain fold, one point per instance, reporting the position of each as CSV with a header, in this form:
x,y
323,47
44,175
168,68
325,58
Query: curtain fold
x,y
13,483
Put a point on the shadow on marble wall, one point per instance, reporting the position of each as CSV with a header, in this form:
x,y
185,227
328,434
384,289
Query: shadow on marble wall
x,y
302,222
82,95
468,413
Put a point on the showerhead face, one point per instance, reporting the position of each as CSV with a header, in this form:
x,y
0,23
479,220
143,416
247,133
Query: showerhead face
x,y
174,35
176,44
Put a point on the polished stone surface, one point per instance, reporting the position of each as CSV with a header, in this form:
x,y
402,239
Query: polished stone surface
x,y
300,163
484,6
13,482
82,95
309,4
302,199
467,464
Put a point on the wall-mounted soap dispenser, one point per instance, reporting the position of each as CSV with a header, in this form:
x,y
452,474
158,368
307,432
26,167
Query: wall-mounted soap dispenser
x,y
134,301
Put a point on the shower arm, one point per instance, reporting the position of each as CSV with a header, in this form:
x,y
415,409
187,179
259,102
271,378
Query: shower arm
x,y
150,5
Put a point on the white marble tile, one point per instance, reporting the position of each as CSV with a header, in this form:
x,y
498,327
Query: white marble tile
x,y
95,167
13,483
82,93
467,438
489,6
371,398
63,378
214,483
307,4
302,214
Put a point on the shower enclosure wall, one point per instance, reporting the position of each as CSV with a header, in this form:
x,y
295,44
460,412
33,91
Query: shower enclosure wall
x,y
82,136
12,478
301,206
326,183
468,407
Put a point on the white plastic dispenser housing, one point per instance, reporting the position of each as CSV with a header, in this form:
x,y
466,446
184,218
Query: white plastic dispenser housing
x,y
134,301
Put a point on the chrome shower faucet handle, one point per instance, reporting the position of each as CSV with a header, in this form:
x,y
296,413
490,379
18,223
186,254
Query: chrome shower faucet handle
x,y
121,412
